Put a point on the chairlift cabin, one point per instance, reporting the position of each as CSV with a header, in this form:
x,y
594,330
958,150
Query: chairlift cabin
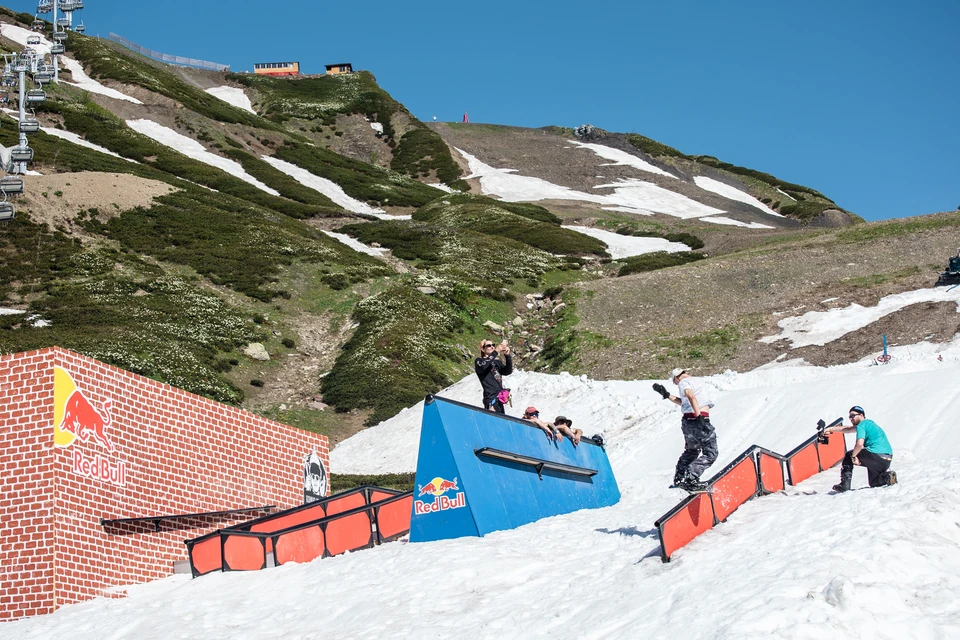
x,y
58,49
8,80
21,154
29,125
80,28
33,40
63,23
78,4
37,25
44,6
68,5
59,36
7,211
36,95
42,77
11,184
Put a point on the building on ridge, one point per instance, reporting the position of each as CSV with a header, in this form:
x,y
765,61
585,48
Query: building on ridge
x,y
277,68
340,67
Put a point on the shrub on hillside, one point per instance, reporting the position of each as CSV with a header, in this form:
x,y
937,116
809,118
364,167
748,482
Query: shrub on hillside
x,y
422,151
658,260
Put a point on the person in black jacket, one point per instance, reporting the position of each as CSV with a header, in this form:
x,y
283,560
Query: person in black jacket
x,y
490,369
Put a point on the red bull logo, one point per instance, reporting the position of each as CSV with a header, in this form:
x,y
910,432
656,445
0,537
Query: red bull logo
x,y
76,418
437,488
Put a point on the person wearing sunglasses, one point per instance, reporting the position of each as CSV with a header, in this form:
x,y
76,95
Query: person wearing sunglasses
x,y
872,451
491,369
530,414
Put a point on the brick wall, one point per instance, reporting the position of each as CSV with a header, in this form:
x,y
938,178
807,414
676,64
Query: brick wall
x,y
26,485
179,453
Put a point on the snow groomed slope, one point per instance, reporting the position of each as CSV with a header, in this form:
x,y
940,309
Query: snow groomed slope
x,y
480,472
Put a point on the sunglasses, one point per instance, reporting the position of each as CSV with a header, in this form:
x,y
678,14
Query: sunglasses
x,y
488,345
536,413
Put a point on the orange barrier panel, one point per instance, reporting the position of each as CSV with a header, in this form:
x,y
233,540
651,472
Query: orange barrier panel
x,y
349,533
205,554
393,518
301,545
289,519
734,486
243,553
771,473
833,451
803,462
347,502
685,522
377,496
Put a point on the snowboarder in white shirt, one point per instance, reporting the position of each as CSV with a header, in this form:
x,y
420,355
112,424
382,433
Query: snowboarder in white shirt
x,y
699,437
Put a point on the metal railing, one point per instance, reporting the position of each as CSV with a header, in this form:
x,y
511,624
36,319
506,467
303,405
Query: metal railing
x,y
169,59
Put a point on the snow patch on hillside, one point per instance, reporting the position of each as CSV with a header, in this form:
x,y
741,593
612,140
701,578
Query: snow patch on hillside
x,y
76,139
633,196
234,96
355,244
736,223
193,149
732,193
621,158
327,187
620,246
80,79
821,327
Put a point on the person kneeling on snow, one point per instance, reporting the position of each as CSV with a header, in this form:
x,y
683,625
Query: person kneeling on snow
x,y
699,437
872,451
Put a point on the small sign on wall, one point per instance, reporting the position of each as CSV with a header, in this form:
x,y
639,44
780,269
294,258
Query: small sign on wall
x,y
314,479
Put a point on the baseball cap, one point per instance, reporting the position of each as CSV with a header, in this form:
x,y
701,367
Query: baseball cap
x,y
858,409
563,419
676,372
529,411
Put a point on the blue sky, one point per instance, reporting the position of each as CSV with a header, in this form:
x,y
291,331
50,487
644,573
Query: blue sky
x,y
858,99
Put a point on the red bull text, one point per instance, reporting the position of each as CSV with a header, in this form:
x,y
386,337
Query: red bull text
x,y
99,468
436,488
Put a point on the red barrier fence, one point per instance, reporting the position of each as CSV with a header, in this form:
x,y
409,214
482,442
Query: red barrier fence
x,y
348,521
757,471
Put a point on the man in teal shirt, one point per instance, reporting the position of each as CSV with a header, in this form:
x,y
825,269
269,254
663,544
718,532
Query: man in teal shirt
x,y
872,451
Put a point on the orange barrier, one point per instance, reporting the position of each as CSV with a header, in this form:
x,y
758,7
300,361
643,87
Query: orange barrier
x,y
733,486
803,462
685,522
348,521
770,466
831,452
757,471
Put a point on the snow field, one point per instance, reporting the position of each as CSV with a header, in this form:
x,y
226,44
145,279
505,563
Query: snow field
x,y
621,158
234,96
620,246
880,563
193,149
69,136
327,187
732,193
821,327
80,79
356,245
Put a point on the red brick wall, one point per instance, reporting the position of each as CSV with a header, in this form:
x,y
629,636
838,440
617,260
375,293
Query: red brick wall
x,y
26,485
181,453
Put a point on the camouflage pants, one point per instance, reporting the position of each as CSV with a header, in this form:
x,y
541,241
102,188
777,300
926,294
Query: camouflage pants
x,y
700,447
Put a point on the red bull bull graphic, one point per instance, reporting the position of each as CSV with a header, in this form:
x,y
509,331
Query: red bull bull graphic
x,y
76,418
437,488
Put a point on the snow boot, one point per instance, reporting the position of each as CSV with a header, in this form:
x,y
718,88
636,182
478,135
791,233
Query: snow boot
x,y
839,488
693,485
889,478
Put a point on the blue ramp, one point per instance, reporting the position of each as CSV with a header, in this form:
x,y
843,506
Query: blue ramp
x,y
478,472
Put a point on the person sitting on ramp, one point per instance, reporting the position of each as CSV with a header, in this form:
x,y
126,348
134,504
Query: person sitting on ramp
x,y
872,451
565,426
531,414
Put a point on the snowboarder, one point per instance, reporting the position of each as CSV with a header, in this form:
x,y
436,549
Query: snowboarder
x,y
490,369
872,451
699,437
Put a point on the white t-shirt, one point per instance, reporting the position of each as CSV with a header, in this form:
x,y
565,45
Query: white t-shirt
x,y
699,390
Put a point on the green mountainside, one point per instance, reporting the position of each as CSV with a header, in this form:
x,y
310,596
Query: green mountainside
x,y
178,286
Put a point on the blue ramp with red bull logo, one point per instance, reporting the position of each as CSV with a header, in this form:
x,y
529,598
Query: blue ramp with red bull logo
x,y
479,471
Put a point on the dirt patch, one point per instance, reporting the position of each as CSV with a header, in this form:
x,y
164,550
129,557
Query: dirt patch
x,y
111,193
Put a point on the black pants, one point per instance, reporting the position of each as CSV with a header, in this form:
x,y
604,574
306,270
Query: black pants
x,y
496,405
876,466
700,447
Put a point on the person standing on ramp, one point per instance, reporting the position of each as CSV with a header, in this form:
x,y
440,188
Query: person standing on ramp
x,y
699,437
490,369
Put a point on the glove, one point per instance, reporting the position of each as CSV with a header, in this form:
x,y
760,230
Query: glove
x,y
659,388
